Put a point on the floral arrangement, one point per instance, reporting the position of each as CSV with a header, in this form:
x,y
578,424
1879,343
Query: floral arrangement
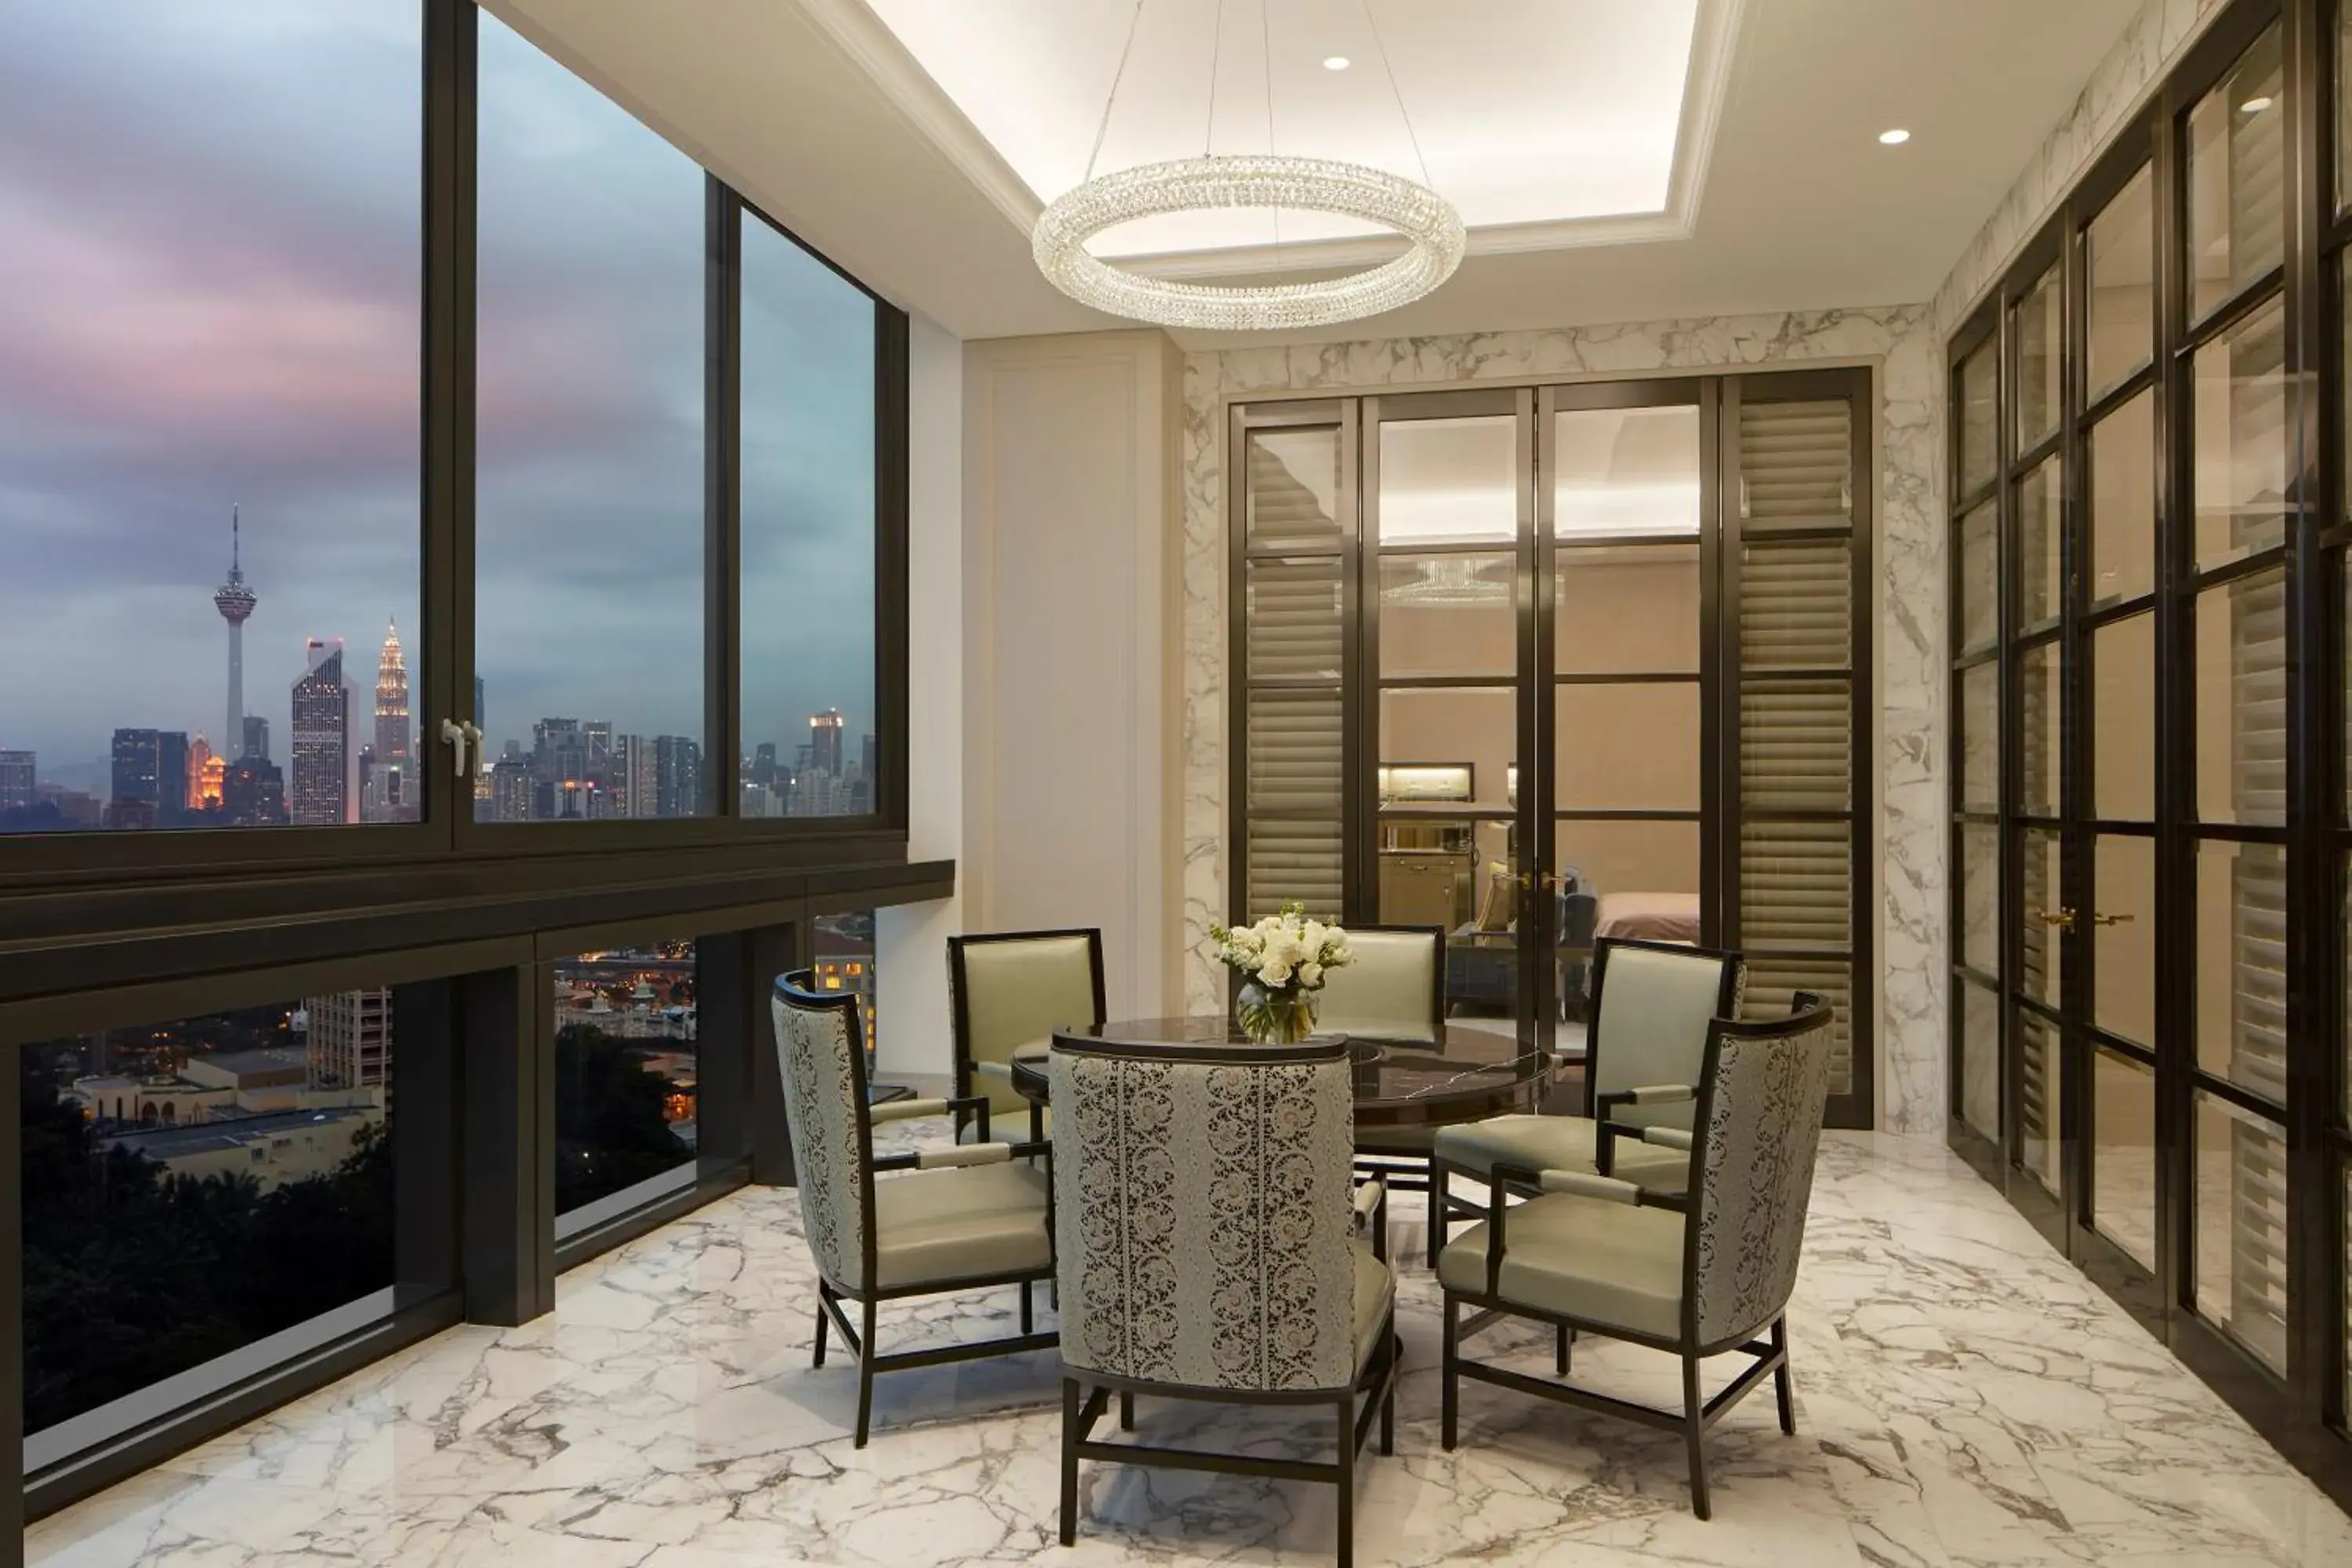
x,y
1282,960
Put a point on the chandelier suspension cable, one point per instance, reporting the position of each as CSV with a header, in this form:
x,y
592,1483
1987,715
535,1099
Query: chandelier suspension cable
x,y
1117,77
1265,49
1216,52
1403,113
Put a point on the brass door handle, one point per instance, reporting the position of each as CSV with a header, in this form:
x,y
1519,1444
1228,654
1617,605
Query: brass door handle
x,y
2063,919
2099,920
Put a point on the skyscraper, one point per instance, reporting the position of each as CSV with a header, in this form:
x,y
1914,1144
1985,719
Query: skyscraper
x,y
16,780
323,738
235,601
256,739
824,741
253,794
203,786
633,776
393,781
678,776
150,774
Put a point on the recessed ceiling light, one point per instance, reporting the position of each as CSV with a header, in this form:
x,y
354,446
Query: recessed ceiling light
x,y
1335,63
1894,138
2256,105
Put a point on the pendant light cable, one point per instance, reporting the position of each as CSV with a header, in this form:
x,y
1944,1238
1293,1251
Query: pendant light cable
x,y
1117,77
1389,65
1216,49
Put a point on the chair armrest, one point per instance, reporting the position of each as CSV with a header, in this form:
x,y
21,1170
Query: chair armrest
x,y
1370,1210
1585,1184
1001,1072
1644,1094
964,1154
906,1111
1667,1137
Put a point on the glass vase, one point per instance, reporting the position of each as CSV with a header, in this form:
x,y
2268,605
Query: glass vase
x,y
1282,1017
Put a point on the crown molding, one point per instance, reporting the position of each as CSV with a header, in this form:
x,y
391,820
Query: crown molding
x,y
1714,34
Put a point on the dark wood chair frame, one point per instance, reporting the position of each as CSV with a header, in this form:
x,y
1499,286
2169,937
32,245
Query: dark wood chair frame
x,y
1086,1395
832,1292
1770,1357
960,1010
1397,1172
1597,1106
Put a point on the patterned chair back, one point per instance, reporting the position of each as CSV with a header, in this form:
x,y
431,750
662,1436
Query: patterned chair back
x,y
1652,1005
1394,990
1761,1104
1202,1213
1016,987
823,1063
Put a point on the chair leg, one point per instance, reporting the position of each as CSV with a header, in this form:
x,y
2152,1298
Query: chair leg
x,y
1028,1311
1125,1411
1782,1385
824,1325
1449,1380
1694,1434
1069,1461
865,1375
1346,1552
1387,1400
1440,1200
1559,1348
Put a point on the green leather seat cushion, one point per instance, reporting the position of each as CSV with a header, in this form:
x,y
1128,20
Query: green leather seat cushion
x,y
939,1226
1560,1143
1375,1285
1606,1263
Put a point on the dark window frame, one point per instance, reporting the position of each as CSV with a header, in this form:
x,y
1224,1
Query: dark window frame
x,y
443,685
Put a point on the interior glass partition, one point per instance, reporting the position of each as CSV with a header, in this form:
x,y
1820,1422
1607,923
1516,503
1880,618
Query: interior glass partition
x,y
1487,640
2150,1040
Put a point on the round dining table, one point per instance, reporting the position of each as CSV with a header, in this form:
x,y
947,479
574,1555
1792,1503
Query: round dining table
x,y
1402,1086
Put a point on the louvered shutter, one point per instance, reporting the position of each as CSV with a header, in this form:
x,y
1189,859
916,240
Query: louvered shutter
x,y
1795,722
1293,644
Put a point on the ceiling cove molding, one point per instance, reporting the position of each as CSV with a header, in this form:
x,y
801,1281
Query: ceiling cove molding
x,y
1714,36
875,50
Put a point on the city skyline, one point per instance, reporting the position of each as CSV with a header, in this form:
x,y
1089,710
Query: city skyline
x,y
267,359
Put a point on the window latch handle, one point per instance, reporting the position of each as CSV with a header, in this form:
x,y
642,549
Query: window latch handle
x,y
455,733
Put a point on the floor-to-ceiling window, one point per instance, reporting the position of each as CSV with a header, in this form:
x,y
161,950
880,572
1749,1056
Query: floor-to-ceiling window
x,y
402,446
1537,665
2147,681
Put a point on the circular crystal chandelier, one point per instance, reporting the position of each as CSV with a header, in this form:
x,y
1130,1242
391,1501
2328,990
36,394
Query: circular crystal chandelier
x,y
1431,229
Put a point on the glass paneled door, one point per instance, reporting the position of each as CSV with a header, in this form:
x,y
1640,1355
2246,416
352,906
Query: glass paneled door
x,y
1538,638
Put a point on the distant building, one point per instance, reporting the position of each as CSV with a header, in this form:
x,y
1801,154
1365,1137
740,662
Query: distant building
x,y
350,1040
234,599
558,767
16,783
392,776
678,776
844,961
512,787
272,1149
256,738
633,776
762,770
824,741
205,772
253,794
323,738
149,771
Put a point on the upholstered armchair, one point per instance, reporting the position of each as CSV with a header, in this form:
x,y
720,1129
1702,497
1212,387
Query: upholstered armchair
x,y
1008,992
1651,1006
964,1217
1600,1254
1213,1247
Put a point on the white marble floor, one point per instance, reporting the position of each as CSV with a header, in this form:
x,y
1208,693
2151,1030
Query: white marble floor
x,y
1965,1399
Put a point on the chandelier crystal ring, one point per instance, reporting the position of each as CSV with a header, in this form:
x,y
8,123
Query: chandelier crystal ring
x,y
1430,226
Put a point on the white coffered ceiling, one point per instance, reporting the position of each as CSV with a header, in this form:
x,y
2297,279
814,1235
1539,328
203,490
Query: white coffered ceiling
x,y
1777,194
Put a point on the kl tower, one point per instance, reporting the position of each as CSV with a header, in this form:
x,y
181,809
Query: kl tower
x,y
235,601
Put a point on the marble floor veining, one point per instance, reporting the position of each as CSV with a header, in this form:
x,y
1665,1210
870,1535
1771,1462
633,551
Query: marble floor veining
x,y
1965,1399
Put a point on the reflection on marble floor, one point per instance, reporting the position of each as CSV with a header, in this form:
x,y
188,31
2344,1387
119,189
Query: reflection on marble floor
x,y
1964,1398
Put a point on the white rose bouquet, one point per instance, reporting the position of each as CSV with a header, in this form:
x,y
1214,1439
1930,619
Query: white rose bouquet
x,y
1283,960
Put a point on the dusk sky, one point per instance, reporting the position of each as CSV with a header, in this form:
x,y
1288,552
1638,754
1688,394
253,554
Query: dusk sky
x,y
209,295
